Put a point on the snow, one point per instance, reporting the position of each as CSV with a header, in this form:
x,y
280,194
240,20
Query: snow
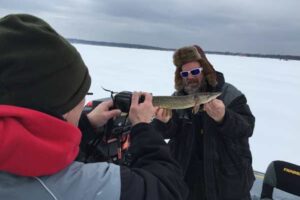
x,y
270,86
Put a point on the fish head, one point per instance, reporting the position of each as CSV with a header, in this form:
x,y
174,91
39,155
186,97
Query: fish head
x,y
205,97
202,98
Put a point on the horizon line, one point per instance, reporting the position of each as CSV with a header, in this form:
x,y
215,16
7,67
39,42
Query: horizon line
x,y
148,47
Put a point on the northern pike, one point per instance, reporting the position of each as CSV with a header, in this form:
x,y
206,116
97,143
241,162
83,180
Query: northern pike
x,y
186,101
167,102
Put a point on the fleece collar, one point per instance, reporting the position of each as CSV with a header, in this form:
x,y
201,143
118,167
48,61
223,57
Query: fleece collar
x,y
34,143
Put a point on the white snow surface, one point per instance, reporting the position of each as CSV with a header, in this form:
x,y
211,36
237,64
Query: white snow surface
x,y
270,86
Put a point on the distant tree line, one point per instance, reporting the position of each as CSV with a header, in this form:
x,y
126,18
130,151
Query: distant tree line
x,y
139,46
114,44
276,56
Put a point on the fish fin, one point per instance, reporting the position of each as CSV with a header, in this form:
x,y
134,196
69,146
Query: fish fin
x,y
196,109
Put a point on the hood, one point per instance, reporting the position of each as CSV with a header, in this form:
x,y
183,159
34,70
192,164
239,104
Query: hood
x,y
34,143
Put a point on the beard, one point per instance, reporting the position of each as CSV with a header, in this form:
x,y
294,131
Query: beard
x,y
192,86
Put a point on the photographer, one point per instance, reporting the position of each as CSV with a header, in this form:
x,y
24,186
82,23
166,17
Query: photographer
x,y
42,90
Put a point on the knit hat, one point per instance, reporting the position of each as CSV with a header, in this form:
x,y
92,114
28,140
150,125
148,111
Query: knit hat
x,y
189,54
38,67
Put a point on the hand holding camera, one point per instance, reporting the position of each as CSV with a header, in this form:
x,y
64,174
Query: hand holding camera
x,y
137,104
141,112
113,138
100,115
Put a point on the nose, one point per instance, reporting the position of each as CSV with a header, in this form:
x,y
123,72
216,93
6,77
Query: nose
x,y
190,76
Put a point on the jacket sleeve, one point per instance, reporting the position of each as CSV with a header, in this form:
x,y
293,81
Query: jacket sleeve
x,y
238,120
169,129
150,172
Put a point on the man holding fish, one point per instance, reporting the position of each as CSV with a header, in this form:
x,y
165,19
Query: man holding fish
x,y
211,143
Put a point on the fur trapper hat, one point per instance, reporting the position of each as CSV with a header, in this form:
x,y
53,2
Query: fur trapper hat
x,y
189,54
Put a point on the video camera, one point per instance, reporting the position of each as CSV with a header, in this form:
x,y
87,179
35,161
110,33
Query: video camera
x,y
121,100
113,139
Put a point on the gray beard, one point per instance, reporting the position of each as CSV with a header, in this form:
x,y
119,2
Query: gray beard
x,y
195,88
191,89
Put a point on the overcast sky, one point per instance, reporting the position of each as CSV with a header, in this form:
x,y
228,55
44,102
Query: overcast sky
x,y
250,26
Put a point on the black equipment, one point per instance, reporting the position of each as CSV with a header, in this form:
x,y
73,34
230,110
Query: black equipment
x,y
282,175
113,139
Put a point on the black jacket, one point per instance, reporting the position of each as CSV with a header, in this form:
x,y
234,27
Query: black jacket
x,y
224,148
150,172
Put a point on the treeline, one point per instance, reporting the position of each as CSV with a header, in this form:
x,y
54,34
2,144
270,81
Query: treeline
x,y
276,56
114,44
138,46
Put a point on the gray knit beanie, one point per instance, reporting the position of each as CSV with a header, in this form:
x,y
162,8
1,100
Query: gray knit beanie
x,y
38,67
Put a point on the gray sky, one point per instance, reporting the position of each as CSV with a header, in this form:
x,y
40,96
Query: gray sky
x,y
249,26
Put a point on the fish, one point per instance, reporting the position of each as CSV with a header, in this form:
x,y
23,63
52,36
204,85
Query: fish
x,y
122,100
186,101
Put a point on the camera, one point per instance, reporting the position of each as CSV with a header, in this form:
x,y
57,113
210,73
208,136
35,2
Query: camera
x,y
122,101
113,139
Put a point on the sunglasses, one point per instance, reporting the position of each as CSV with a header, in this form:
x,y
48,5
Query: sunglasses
x,y
194,72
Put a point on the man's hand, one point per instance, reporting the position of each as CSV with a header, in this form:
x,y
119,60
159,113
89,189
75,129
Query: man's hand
x,y
163,114
141,112
101,114
215,109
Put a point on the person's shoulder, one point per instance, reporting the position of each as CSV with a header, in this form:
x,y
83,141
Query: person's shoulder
x,y
90,170
96,177
103,166
230,88
230,92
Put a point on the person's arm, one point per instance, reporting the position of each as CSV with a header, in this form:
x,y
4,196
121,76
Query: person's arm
x,y
166,122
238,119
151,172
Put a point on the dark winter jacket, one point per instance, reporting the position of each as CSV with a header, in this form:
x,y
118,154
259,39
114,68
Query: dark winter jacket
x,y
223,149
151,174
